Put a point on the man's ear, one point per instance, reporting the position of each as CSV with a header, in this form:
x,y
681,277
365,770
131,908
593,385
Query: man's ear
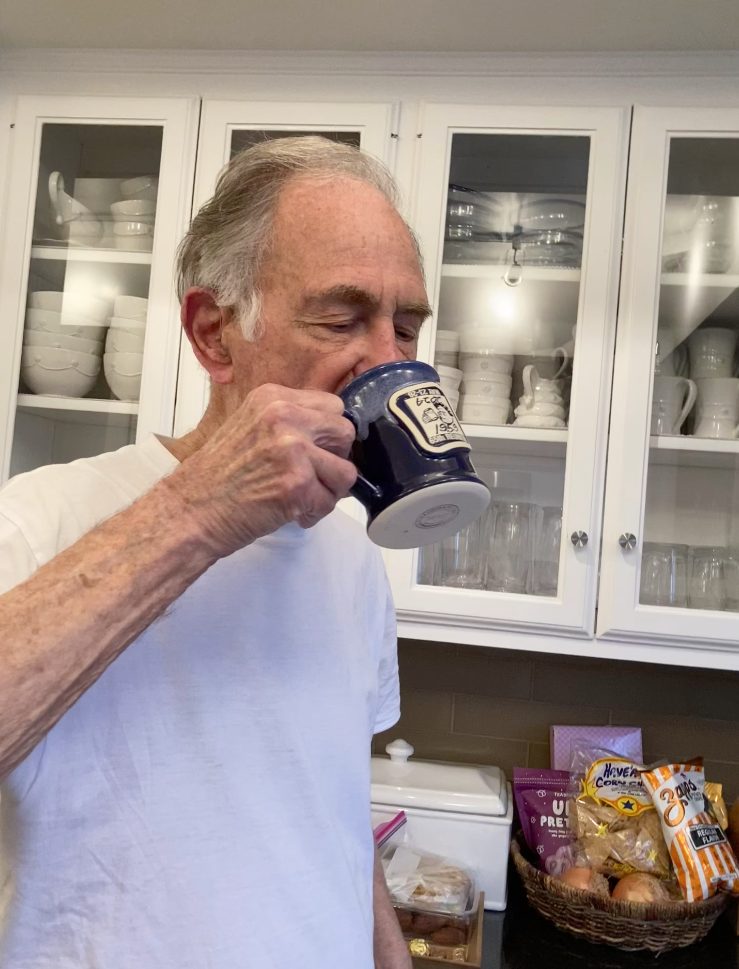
x,y
204,321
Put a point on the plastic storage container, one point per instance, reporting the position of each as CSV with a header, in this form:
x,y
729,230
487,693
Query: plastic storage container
x,y
458,811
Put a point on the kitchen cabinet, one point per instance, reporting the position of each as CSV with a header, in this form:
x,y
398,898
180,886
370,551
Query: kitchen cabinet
x,y
100,197
530,290
671,520
493,191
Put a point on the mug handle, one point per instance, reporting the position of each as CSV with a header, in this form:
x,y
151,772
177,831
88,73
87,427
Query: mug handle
x,y
527,388
362,489
557,351
688,405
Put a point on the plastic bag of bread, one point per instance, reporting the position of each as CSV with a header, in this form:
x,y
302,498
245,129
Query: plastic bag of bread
x,y
424,881
617,830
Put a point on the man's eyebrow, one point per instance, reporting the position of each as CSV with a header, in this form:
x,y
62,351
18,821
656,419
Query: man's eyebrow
x,y
356,296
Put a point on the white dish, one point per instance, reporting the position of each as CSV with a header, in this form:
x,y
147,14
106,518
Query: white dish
x,y
472,412
59,373
124,341
486,389
42,338
67,302
48,321
478,364
134,210
141,187
126,363
130,326
443,358
130,307
450,375
534,421
447,341
123,385
131,227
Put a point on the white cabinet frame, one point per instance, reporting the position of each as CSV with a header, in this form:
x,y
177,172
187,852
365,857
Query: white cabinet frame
x,y
572,612
620,616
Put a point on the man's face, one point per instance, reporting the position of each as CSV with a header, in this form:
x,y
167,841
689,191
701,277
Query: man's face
x,y
342,290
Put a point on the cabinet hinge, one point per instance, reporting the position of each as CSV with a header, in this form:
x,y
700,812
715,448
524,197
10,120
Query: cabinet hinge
x,y
394,134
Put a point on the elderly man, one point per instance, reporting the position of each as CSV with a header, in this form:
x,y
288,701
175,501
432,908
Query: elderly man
x,y
194,652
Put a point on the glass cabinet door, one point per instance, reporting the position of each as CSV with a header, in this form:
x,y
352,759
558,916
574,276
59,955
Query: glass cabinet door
x,y
519,217
228,127
87,231
672,540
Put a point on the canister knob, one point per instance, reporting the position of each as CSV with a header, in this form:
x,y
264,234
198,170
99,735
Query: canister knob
x,y
399,751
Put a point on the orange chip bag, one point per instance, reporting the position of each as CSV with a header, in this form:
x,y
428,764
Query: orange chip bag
x,y
700,853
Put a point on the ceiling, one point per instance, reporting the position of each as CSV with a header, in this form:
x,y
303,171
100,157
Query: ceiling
x,y
373,25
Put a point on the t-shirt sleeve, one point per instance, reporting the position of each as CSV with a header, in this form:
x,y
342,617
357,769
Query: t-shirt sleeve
x,y
17,561
388,695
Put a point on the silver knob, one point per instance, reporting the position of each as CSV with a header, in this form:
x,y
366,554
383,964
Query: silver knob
x,y
579,539
627,541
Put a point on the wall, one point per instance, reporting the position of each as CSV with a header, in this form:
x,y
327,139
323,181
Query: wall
x,y
482,705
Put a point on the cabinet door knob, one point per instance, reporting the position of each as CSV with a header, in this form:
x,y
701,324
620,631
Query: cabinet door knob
x,y
579,539
627,541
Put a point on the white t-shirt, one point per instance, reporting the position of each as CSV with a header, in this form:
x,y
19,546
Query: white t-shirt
x,y
206,803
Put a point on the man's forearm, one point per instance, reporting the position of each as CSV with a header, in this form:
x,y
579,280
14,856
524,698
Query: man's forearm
x,y
63,627
391,951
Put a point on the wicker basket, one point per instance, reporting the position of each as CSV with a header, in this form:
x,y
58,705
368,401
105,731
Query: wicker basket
x,y
625,925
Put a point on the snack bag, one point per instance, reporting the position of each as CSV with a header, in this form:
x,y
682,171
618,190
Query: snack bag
x,y
700,853
542,801
616,827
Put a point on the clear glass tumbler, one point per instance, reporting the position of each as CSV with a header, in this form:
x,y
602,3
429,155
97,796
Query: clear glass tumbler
x,y
707,584
664,575
462,557
509,560
545,566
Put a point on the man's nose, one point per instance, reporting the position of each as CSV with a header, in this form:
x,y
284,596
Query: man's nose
x,y
381,347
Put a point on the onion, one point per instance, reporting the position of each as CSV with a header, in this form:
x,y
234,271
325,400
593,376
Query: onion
x,y
641,887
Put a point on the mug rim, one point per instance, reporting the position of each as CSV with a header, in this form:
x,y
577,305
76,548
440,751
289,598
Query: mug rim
x,y
360,381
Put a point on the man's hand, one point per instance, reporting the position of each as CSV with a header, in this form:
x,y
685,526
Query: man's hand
x,y
281,457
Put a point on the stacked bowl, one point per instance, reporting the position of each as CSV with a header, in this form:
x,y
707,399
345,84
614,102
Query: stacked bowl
x,y
486,360
450,379
63,343
124,347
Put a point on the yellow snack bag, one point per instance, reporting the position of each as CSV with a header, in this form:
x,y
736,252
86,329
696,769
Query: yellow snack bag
x,y
700,853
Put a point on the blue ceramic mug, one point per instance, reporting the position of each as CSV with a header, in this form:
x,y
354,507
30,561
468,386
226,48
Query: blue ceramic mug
x,y
416,479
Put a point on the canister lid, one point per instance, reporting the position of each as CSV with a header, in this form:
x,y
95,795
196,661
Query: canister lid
x,y
435,786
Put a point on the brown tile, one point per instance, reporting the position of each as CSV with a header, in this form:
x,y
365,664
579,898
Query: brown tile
x,y
538,756
462,749
644,688
515,719
675,738
725,774
464,669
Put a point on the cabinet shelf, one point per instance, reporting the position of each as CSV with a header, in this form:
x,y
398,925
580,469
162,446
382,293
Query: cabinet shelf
x,y
540,442
70,254
83,410
550,274
697,452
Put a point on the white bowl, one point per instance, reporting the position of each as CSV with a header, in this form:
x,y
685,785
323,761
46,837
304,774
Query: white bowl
x,y
132,227
141,187
137,327
125,386
71,303
486,388
446,358
453,399
123,341
134,210
477,364
125,363
40,338
59,373
447,341
47,321
485,413
130,307
450,375
134,243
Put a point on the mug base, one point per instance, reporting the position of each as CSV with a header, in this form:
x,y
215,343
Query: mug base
x,y
430,514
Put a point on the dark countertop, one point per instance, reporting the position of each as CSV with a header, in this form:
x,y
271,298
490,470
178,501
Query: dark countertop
x,y
519,938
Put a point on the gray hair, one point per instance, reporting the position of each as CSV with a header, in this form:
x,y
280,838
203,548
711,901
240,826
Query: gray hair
x,y
227,240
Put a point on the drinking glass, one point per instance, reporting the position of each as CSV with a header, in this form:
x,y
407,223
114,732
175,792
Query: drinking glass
x,y
428,557
545,567
509,560
462,557
731,577
664,575
707,587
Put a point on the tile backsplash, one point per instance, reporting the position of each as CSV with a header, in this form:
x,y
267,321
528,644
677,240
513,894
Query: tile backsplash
x,y
480,705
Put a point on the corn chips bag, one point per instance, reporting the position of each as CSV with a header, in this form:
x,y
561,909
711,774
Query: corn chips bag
x,y
700,853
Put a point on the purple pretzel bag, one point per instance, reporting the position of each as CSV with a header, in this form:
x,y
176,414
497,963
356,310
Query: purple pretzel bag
x,y
543,805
